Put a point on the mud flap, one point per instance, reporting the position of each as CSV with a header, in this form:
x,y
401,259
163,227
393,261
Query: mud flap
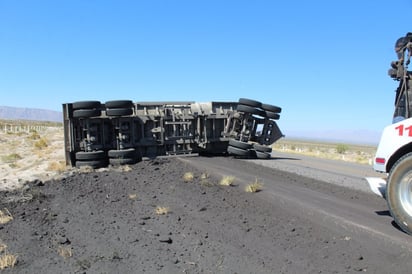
x,y
377,185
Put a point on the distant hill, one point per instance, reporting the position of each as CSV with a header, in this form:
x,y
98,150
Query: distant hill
x,y
15,113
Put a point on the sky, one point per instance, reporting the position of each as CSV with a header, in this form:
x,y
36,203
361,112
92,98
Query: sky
x,y
324,62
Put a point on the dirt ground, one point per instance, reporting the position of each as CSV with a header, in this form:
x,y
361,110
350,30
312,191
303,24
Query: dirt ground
x,y
147,219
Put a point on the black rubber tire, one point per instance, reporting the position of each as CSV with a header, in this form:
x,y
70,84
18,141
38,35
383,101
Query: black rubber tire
x,y
249,102
271,108
86,113
122,161
86,105
119,111
122,153
92,155
398,194
239,144
272,115
262,155
262,148
248,109
119,104
92,163
238,151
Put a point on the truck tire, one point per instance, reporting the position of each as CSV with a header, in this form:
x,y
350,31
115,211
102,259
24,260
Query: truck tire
x,y
119,104
92,163
272,115
262,148
249,102
398,192
249,109
239,144
271,108
262,155
238,151
119,111
86,105
122,161
86,113
122,153
92,155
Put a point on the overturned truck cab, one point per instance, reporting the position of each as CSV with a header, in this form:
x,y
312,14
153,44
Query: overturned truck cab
x,y
124,132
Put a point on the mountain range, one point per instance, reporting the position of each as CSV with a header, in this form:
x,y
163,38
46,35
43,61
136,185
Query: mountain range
x,y
16,113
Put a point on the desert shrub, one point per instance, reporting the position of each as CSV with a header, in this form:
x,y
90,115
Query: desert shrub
x,y
341,148
34,135
11,158
41,143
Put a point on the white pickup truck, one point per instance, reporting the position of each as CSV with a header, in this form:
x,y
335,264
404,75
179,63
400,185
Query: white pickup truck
x,y
394,153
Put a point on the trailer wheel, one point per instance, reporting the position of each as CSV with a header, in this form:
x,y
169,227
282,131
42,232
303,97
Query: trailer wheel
x,y
239,144
249,109
119,104
86,104
249,102
238,151
119,111
122,153
262,155
122,161
92,163
92,155
272,115
271,108
86,113
262,148
399,192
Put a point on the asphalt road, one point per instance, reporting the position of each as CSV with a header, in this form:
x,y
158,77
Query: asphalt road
x,y
331,194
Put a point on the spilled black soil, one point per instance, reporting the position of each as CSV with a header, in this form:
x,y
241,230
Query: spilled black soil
x,y
108,222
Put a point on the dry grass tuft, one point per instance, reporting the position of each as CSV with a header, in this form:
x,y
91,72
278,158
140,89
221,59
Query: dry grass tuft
x,y
204,176
188,177
41,143
132,196
59,166
160,210
254,187
11,158
65,251
227,181
7,261
3,247
5,216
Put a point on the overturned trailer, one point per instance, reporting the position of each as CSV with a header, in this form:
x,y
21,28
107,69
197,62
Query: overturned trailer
x,y
123,132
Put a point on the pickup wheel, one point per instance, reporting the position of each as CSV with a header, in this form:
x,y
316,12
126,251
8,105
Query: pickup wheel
x,y
399,192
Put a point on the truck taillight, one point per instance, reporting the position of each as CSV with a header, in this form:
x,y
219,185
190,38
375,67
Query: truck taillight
x,y
380,160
